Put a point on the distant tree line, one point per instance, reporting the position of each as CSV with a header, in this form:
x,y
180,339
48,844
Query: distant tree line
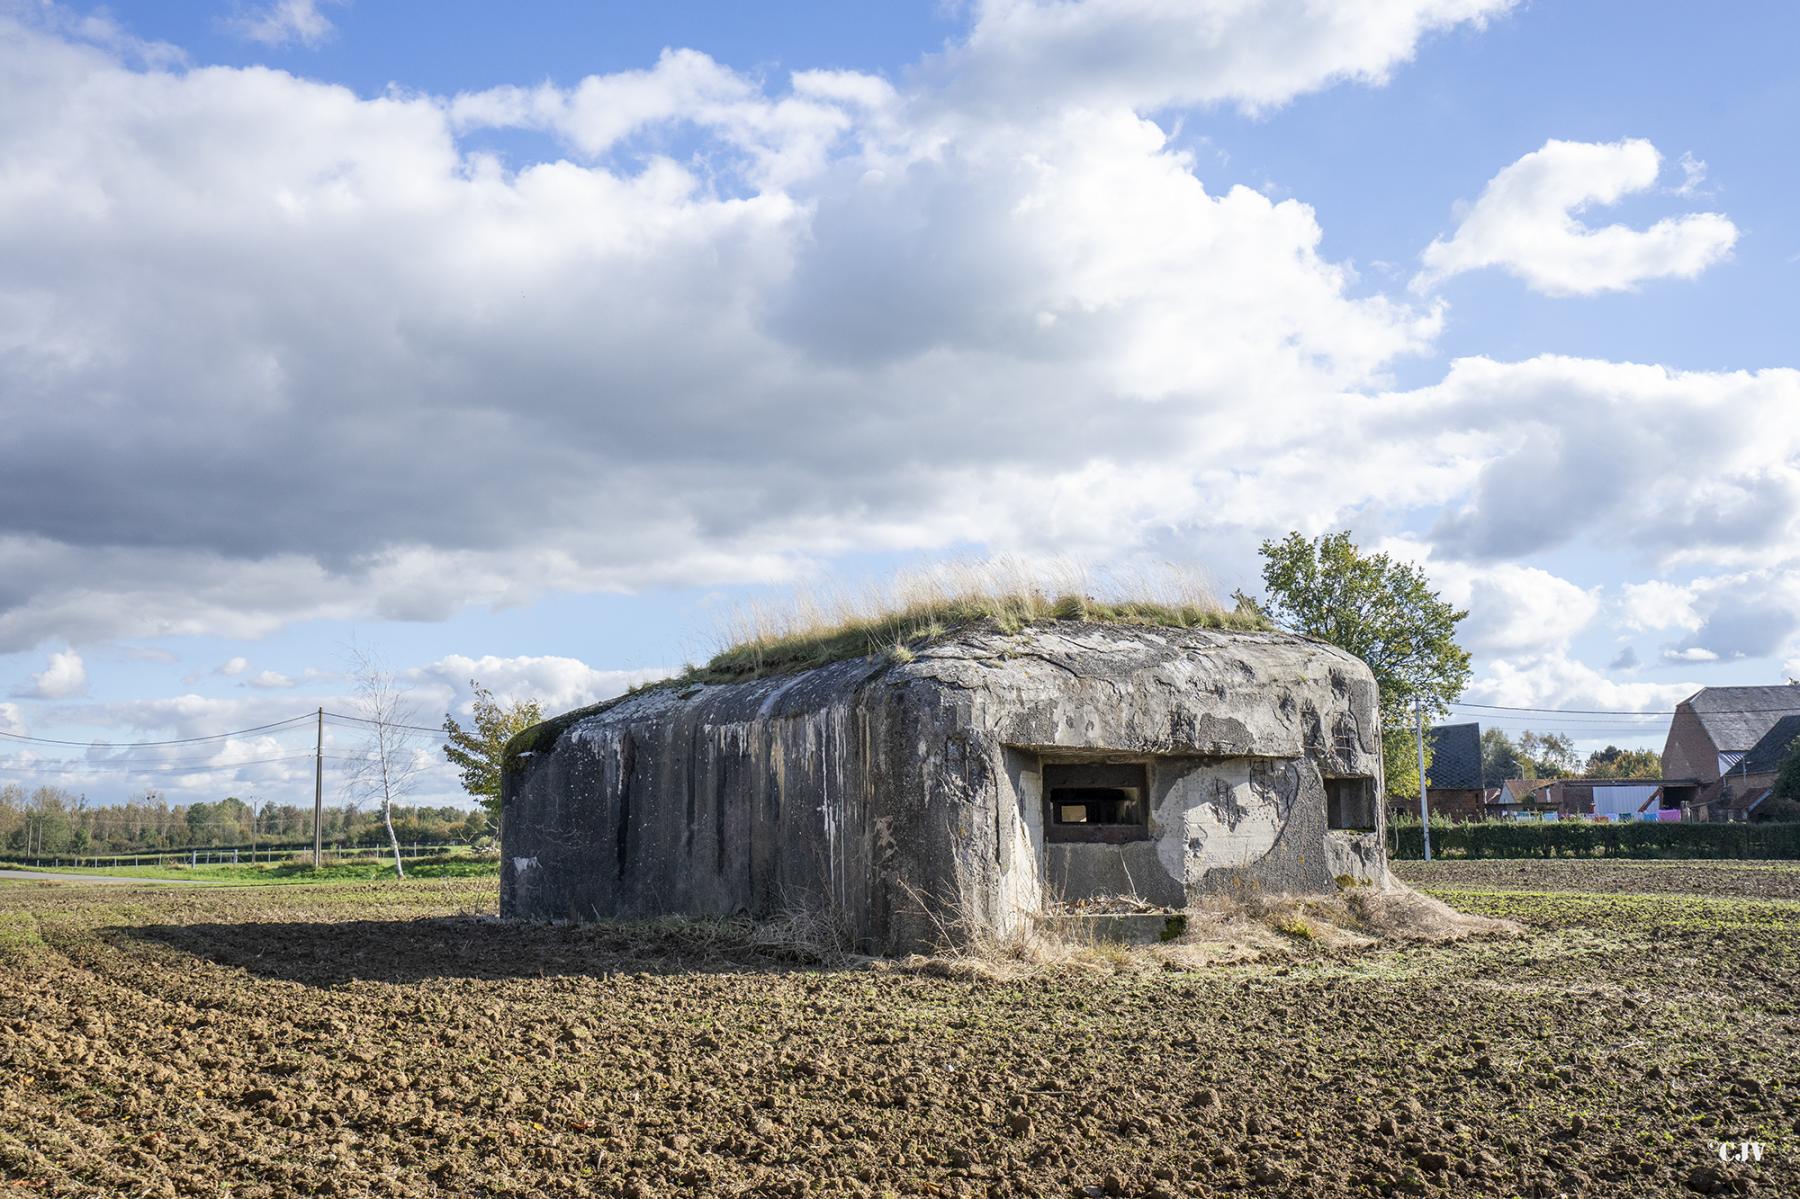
x,y
1553,756
54,820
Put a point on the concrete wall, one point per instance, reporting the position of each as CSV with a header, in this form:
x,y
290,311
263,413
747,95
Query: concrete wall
x,y
906,800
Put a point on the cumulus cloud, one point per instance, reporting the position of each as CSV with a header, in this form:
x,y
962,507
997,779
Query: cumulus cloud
x,y
276,762
1753,620
234,666
1656,605
1565,448
64,678
556,684
785,139
1740,614
1150,54
1528,223
1556,680
269,680
285,22
745,324
1513,609
695,354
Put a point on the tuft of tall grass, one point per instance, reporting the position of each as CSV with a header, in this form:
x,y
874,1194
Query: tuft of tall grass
x,y
823,625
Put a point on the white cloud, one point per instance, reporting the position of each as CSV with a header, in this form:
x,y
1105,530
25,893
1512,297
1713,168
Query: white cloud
x,y
1658,605
278,763
1693,174
1559,681
556,684
1560,449
269,680
1527,222
1065,311
64,678
785,138
12,720
234,666
285,22
1150,54
978,309
1743,614
1513,609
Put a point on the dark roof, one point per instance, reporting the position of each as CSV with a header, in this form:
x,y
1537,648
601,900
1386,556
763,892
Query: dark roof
x,y
1736,718
1765,756
1455,757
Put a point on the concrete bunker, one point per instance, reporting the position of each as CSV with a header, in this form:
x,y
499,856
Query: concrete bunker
x,y
995,777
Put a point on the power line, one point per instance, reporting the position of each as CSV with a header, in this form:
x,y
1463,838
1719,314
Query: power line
x,y
392,724
79,766
1457,703
261,728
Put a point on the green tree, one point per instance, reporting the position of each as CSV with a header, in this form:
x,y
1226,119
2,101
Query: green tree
x,y
1499,758
1615,763
1550,755
477,750
1385,613
1787,778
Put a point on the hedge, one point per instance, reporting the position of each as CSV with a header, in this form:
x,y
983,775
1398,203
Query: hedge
x,y
1583,838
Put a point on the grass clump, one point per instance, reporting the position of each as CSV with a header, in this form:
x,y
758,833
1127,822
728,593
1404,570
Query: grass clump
x,y
898,618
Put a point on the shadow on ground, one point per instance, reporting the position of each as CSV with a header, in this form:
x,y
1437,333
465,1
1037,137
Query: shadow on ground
x,y
331,953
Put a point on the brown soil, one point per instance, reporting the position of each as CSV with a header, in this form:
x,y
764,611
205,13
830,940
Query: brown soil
x,y
395,1040
1755,880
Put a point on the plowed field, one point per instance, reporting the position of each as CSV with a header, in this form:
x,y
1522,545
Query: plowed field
x,y
395,1040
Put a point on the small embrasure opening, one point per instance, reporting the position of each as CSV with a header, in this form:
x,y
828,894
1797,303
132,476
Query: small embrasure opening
x,y
1096,801
1350,803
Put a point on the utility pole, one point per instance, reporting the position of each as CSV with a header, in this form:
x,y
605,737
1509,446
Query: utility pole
x,y
319,793
1424,808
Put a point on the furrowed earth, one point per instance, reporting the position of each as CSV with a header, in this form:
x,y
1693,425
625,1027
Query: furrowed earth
x,y
395,1040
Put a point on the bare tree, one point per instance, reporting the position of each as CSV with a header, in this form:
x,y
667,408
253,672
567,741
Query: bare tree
x,y
391,761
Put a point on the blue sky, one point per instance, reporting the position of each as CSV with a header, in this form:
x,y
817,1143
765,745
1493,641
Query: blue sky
x,y
566,328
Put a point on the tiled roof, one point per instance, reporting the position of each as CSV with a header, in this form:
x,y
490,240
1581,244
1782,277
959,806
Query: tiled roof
x,y
1736,718
1455,757
1765,756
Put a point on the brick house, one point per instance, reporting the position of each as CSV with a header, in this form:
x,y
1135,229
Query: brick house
x,y
1713,733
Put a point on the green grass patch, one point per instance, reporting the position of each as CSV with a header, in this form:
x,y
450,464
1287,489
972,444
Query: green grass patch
x,y
19,932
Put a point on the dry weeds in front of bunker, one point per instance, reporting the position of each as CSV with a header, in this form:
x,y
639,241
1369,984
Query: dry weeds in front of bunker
x,y
1222,931
829,624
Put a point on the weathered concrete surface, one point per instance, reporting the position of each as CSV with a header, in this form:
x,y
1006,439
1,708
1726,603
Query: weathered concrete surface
x,y
906,799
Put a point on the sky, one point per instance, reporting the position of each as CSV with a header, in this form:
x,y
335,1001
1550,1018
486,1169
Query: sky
x,y
527,343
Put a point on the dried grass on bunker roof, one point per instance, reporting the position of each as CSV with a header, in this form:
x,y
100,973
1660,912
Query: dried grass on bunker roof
x,y
831,624
826,624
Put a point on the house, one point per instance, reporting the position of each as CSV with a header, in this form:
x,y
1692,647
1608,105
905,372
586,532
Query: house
x,y
963,789
1453,780
1750,783
1712,733
1515,798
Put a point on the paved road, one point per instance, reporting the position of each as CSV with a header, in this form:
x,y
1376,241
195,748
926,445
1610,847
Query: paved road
x,y
45,876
